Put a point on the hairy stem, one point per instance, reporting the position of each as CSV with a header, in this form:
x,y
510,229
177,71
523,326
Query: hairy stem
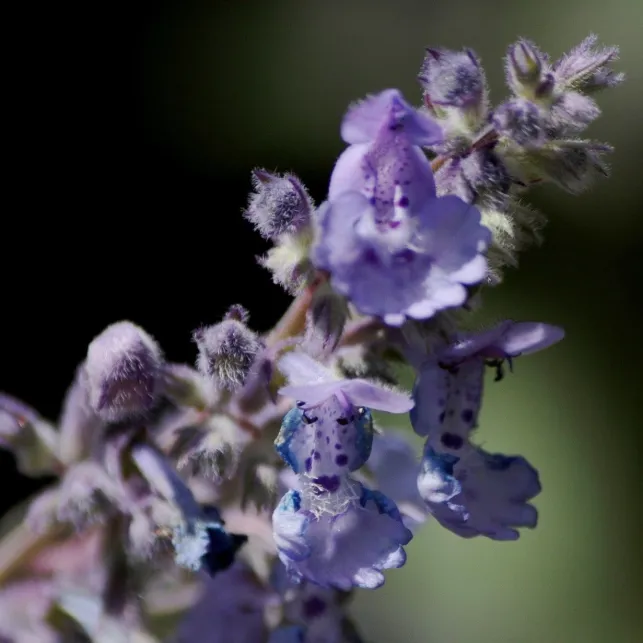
x,y
21,544
293,321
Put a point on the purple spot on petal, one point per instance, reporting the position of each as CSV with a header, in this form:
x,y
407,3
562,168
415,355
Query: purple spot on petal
x,y
441,417
342,460
316,455
308,464
313,607
451,440
327,440
338,446
467,416
330,483
319,434
403,202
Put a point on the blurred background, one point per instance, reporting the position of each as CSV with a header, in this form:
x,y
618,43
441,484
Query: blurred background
x,y
134,128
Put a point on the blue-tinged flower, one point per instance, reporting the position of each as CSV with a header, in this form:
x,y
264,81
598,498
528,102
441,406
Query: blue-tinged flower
x,y
395,468
205,544
330,431
448,388
198,535
479,493
391,245
342,538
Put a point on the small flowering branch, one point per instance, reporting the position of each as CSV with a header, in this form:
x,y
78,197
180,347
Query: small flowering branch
x,y
258,474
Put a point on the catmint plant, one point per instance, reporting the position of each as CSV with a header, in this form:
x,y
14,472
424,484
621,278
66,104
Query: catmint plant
x,y
246,497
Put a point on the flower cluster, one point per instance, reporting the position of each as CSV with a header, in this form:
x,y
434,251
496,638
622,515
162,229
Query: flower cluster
x,y
245,498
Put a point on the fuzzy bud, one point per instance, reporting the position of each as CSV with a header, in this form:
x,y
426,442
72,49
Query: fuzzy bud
x,y
572,112
227,350
279,205
586,67
123,370
521,121
570,164
487,176
524,65
453,79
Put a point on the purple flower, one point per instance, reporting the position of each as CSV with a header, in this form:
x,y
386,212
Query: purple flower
x,y
391,245
330,431
342,538
448,388
479,493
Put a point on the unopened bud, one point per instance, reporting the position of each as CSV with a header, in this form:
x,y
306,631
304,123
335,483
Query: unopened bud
x,y
227,350
521,121
279,205
526,62
123,370
452,78
325,321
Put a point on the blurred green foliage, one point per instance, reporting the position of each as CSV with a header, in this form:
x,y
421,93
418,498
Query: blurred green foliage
x,y
233,85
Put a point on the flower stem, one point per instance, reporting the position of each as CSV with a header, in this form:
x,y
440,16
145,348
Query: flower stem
x,y
21,544
294,319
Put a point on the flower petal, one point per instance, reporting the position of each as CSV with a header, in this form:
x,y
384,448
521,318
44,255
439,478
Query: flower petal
x,y
524,338
363,393
345,550
364,120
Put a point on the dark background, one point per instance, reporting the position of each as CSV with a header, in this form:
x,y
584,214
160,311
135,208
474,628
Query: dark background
x,y
133,128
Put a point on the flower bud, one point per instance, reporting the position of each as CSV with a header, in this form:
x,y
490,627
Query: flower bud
x,y
123,369
279,205
524,66
521,121
453,79
227,350
325,321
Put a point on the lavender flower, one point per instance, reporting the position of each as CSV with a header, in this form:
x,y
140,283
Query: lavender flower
x,y
391,246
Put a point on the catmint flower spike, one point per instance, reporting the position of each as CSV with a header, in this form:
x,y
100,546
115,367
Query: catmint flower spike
x,y
123,369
